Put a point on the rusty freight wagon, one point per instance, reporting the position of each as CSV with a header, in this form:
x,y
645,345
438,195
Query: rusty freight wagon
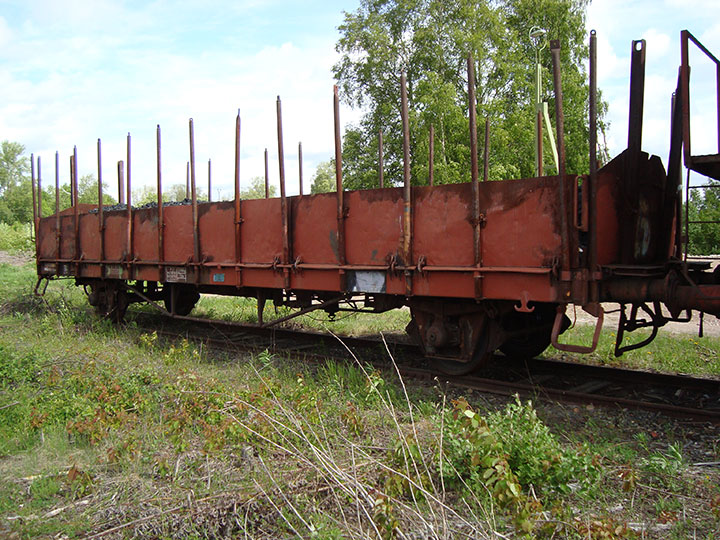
x,y
481,265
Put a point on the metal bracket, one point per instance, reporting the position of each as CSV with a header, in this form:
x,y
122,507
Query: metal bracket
x,y
523,307
37,291
566,347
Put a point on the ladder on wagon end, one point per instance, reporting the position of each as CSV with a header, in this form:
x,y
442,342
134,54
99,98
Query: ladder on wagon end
x,y
707,165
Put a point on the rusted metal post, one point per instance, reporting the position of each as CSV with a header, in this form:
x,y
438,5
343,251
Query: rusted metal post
x,y
58,233
121,181
637,98
101,214
630,181
569,253
238,215
161,218
193,191
592,206
472,120
209,181
539,138
407,243
72,180
39,189
486,151
300,168
128,200
717,100
339,189
34,200
283,198
76,210
381,165
267,177
431,156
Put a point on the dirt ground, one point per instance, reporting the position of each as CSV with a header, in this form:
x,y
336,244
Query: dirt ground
x,y
14,260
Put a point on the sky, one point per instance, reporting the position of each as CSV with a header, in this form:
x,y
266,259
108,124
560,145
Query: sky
x,y
78,70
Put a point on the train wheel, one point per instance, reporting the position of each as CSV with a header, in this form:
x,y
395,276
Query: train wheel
x,y
109,300
182,298
456,340
532,331
456,368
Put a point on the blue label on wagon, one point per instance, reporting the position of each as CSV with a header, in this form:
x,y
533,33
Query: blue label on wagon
x,y
218,278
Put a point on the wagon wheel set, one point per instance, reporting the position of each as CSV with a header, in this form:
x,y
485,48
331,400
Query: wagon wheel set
x,y
457,337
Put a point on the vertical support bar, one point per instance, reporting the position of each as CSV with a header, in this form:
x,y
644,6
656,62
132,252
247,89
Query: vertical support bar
x,y
267,177
193,191
300,168
34,202
76,210
39,189
161,210
381,165
101,213
121,181
128,200
209,181
566,197
238,215
539,140
717,105
431,156
407,239
687,215
72,182
637,86
486,151
629,185
592,206
187,180
58,232
339,189
283,198
472,121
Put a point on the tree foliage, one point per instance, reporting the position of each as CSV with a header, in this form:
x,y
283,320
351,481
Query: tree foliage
x,y
324,178
704,205
257,189
15,191
430,40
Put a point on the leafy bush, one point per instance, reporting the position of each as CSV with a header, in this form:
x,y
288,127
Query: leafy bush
x,y
16,237
506,455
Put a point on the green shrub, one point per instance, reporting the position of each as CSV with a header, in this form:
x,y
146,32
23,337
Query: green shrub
x,y
15,238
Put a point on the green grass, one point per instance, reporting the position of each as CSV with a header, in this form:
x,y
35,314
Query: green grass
x,y
669,352
102,426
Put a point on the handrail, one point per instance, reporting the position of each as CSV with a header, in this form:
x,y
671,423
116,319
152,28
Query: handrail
x,y
686,36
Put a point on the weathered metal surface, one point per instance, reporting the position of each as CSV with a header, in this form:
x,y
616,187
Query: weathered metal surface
x,y
462,256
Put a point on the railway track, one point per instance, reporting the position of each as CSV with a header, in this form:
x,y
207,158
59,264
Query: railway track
x,y
692,398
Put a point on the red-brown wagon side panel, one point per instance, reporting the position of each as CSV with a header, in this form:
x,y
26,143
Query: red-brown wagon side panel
x,y
145,235
217,231
89,232
67,232
522,226
261,231
47,239
115,236
444,284
373,228
443,233
316,280
178,233
314,228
